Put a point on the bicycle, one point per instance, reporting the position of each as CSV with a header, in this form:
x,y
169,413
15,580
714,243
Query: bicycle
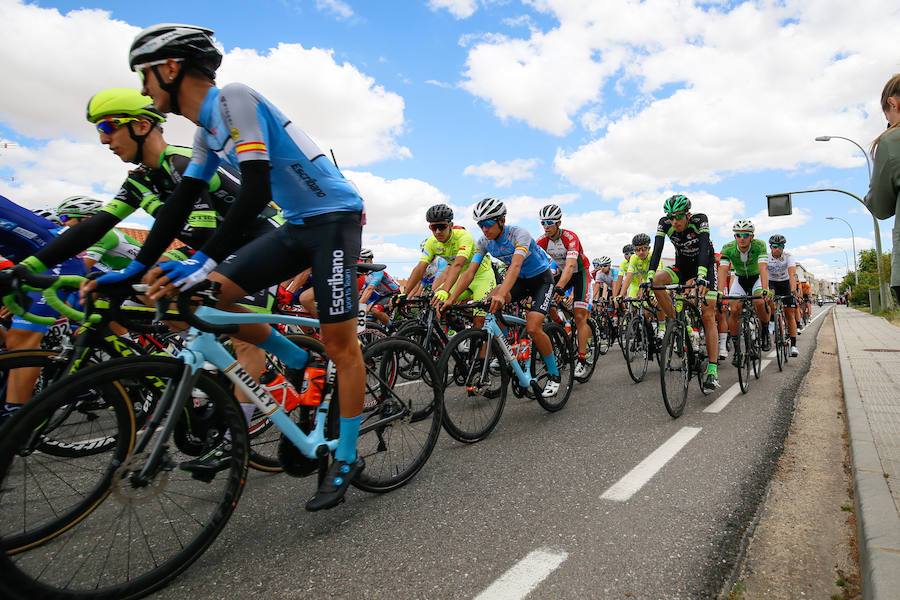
x,y
640,344
566,317
748,347
132,505
683,351
478,366
782,340
607,330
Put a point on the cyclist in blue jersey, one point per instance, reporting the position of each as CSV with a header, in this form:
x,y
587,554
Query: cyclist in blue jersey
x,y
379,288
238,126
527,275
23,232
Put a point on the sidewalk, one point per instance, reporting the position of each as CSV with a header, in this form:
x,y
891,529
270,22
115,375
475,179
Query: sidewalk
x,y
869,355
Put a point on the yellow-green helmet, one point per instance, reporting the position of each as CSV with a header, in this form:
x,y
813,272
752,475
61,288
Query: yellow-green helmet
x,y
122,101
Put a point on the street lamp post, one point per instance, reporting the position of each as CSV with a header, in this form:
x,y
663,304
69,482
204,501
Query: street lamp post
x,y
882,286
853,238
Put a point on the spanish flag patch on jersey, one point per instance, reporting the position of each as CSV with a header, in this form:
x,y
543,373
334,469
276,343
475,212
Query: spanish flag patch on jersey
x,y
250,147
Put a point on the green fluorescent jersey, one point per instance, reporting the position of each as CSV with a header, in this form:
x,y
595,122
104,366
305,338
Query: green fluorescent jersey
x,y
460,243
745,264
638,269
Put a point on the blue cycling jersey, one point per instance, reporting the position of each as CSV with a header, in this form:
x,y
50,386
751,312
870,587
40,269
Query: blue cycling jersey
x,y
514,240
238,124
382,282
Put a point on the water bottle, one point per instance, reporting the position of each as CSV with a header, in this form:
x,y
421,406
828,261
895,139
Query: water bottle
x,y
695,339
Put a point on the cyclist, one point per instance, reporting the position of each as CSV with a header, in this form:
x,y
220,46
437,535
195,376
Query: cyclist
x,y
603,278
378,289
112,251
694,256
638,267
177,65
749,259
627,251
783,276
527,275
806,294
564,247
456,246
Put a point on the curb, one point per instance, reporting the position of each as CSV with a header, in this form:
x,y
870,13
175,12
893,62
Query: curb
x,y
877,522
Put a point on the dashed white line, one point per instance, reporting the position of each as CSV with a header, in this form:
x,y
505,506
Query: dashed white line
x,y
524,576
723,400
635,479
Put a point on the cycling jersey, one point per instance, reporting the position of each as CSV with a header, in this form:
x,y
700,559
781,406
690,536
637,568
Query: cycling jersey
x,y
567,245
778,267
433,270
623,267
383,283
114,251
639,270
692,245
460,243
745,264
514,240
148,189
604,278
237,124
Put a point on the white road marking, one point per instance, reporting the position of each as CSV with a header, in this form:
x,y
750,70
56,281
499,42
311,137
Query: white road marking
x,y
524,576
635,479
723,400
407,383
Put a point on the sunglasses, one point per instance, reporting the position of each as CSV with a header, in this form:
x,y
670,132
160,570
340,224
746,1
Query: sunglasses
x,y
109,125
549,222
640,248
141,69
777,245
438,226
677,216
487,223
742,235
64,218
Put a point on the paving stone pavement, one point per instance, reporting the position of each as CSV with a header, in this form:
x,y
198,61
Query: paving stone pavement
x,y
869,355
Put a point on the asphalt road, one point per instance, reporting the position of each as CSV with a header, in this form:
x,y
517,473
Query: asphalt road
x,y
535,509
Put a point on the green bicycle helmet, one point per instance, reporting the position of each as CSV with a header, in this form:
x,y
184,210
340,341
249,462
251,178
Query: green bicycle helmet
x,y
122,102
678,203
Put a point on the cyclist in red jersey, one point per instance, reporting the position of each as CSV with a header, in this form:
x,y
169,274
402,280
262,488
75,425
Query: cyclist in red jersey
x,y
564,247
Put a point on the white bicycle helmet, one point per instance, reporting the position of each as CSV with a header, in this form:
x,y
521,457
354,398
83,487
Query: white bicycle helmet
x,y
366,254
79,206
744,226
489,208
47,213
551,212
603,261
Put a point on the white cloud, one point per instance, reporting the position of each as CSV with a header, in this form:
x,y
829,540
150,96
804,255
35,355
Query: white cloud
x,y
822,247
721,89
504,174
440,84
460,9
338,8
395,206
57,68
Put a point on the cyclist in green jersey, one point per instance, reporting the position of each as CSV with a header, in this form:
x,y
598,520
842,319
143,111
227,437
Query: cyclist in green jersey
x,y
749,259
638,266
457,247
114,250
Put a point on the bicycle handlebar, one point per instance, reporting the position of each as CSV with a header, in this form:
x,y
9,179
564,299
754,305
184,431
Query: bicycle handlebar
x,y
207,291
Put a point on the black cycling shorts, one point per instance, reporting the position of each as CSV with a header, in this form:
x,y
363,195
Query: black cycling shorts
x,y
686,269
581,285
328,243
783,288
539,288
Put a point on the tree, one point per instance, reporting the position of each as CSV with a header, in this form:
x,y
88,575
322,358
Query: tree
x,y
868,276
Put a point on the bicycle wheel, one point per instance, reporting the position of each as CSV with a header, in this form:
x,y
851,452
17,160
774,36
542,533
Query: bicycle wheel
x,y
605,334
401,419
92,528
473,399
756,351
592,353
675,372
565,360
779,340
636,349
433,345
742,351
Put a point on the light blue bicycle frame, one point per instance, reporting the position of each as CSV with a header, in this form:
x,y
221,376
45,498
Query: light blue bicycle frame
x,y
493,330
203,347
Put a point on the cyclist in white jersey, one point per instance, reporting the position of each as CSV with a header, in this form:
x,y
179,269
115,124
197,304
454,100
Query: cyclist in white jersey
x,y
783,281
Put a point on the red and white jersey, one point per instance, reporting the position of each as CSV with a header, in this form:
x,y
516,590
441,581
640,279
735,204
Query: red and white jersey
x,y
566,246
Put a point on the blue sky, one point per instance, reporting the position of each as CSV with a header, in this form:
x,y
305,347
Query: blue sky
x,y
607,107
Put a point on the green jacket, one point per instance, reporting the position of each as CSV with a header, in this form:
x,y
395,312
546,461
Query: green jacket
x,y
883,198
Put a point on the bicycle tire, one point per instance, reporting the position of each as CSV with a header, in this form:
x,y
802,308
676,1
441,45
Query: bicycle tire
x,y
636,349
75,579
565,360
675,367
592,353
756,354
385,418
779,340
746,345
459,358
